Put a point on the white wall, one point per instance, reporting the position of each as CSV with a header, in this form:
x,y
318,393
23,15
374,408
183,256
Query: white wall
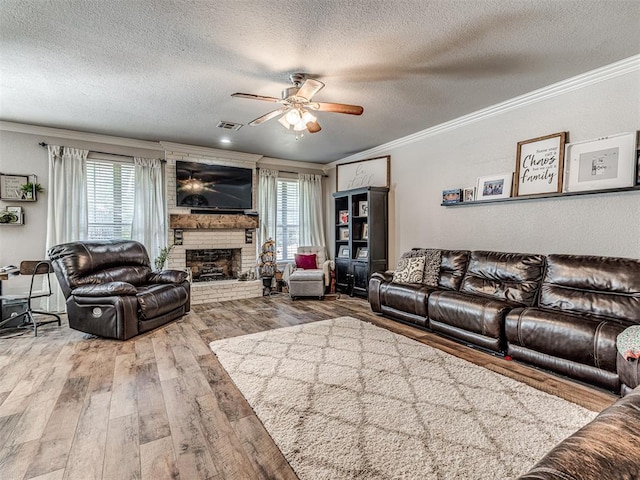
x,y
603,224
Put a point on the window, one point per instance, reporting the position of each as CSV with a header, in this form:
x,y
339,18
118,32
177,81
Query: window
x,y
287,220
110,191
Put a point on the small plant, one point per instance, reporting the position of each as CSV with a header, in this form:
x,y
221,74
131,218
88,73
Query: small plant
x,y
8,217
29,188
162,257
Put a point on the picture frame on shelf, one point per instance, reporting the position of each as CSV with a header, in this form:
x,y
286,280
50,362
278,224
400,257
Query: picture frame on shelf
x,y
492,187
11,186
365,231
540,165
363,208
343,252
362,253
602,163
469,194
343,233
343,217
451,196
18,212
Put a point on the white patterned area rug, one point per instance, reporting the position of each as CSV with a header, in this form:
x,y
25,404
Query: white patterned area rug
x,y
344,399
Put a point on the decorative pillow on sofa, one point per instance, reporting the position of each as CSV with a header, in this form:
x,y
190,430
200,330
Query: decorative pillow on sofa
x,y
409,270
628,343
432,259
306,262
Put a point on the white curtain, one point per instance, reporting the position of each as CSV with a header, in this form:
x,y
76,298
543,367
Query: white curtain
x,y
149,225
311,224
267,204
67,219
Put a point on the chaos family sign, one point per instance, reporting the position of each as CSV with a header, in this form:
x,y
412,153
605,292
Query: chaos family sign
x,y
372,172
539,165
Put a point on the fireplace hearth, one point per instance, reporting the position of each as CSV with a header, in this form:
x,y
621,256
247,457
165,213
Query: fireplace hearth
x,y
214,264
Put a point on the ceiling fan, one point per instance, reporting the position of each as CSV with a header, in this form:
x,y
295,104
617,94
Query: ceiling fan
x,y
296,105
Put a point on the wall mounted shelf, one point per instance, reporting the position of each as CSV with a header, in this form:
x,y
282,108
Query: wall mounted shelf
x,y
543,196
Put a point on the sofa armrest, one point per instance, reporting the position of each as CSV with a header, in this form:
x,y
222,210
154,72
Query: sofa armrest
x,y
327,266
383,276
168,276
110,289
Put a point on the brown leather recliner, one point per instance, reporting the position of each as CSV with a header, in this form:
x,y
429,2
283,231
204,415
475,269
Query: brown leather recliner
x,y
111,290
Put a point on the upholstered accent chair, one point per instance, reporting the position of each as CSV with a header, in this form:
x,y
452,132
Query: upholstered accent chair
x,y
111,290
309,278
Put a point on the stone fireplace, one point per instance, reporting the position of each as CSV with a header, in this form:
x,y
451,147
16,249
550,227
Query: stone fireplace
x,y
214,264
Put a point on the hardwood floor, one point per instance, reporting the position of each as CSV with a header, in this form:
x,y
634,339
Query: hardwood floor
x,y
161,406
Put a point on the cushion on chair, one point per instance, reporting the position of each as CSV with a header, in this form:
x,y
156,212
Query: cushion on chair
x,y
307,262
409,270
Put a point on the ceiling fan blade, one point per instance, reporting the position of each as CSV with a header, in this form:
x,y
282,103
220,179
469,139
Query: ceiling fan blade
x,y
313,127
251,96
268,116
309,88
337,108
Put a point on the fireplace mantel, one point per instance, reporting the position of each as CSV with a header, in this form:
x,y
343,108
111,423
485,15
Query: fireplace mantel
x,y
214,221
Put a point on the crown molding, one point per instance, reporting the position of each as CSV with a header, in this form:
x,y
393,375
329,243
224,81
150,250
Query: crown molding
x,y
193,150
293,164
623,67
80,136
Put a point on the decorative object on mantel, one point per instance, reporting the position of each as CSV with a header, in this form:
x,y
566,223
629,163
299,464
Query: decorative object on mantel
x,y
539,165
608,162
372,172
494,186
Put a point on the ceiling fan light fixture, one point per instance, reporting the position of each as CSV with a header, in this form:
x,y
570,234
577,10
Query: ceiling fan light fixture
x,y
300,126
293,116
283,121
308,117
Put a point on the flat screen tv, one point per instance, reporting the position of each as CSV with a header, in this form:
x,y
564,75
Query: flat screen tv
x,y
215,187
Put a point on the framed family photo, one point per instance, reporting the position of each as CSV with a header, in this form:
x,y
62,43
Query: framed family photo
x,y
343,252
495,186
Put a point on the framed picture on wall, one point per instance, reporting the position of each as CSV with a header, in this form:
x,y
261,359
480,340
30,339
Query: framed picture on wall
x,y
469,194
539,165
600,164
11,186
493,187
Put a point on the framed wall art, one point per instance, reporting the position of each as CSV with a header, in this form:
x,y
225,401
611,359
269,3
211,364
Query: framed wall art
x,y
11,186
600,164
539,165
372,172
496,186
451,196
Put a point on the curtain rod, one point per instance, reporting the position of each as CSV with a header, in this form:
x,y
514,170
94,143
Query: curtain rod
x,y
44,145
293,173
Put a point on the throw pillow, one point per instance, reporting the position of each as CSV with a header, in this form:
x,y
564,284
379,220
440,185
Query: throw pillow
x,y
409,270
306,262
628,343
433,258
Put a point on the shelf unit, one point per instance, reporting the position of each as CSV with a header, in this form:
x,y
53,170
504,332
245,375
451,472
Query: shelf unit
x,y
361,225
542,196
7,181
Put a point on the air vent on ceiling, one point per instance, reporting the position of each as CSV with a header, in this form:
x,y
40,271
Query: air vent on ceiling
x,y
229,125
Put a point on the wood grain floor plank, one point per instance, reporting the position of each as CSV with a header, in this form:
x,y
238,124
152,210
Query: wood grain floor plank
x,y
152,413
192,456
122,457
158,460
15,459
123,397
57,475
86,457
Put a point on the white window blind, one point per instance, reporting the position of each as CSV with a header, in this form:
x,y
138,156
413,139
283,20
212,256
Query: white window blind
x,y
110,191
287,220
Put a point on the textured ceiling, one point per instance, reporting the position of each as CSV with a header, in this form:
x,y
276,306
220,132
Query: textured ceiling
x,y
165,70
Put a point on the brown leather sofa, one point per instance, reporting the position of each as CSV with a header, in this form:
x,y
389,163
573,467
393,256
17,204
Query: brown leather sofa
x,y
112,292
559,312
608,448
